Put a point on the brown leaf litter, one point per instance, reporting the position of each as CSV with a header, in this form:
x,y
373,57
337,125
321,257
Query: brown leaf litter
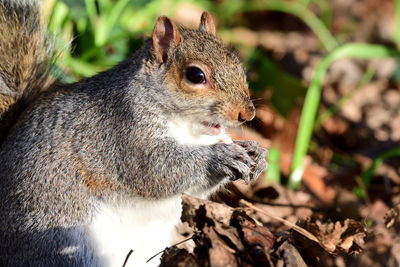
x,y
226,236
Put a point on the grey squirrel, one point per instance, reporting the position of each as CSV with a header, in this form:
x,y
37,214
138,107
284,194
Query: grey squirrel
x,y
92,169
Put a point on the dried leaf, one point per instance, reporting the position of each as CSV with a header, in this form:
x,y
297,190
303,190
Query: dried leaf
x,y
220,254
347,236
392,217
253,234
290,256
226,236
175,257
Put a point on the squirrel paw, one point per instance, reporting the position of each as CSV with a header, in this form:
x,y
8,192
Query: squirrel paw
x,y
241,160
232,161
257,154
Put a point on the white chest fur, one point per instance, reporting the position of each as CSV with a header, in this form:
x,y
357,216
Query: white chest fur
x,y
146,227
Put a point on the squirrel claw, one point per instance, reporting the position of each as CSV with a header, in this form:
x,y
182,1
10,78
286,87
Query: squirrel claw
x,y
257,154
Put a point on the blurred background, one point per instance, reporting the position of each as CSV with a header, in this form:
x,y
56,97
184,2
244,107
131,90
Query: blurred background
x,y
324,76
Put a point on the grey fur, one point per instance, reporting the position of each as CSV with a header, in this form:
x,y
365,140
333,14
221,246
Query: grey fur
x,y
105,139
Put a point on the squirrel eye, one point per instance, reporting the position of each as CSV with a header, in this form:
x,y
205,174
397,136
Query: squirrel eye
x,y
195,75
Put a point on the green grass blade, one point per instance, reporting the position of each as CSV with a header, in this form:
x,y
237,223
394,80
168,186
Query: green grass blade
x,y
311,102
305,2
81,67
396,36
369,73
273,174
325,7
91,11
108,21
58,16
366,176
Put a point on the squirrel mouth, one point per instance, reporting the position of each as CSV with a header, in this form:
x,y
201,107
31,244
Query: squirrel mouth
x,y
212,128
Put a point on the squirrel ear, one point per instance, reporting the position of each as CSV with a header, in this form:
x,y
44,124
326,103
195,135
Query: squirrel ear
x,y
165,36
207,23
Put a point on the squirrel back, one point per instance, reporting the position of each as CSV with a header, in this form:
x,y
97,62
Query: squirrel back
x,y
25,58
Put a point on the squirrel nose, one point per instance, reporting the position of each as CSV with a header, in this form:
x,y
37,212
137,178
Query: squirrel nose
x,y
247,114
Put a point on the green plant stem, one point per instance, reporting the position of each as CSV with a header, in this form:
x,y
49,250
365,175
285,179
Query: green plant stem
x,y
91,11
305,2
369,73
108,21
366,176
311,102
396,36
325,14
273,175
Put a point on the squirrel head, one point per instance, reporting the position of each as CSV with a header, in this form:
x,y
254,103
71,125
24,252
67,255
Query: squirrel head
x,y
204,76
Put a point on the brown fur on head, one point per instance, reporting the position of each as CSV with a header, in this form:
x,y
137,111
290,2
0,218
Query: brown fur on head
x,y
224,92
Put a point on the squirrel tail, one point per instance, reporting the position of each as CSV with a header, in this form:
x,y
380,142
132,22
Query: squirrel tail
x,y
25,57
